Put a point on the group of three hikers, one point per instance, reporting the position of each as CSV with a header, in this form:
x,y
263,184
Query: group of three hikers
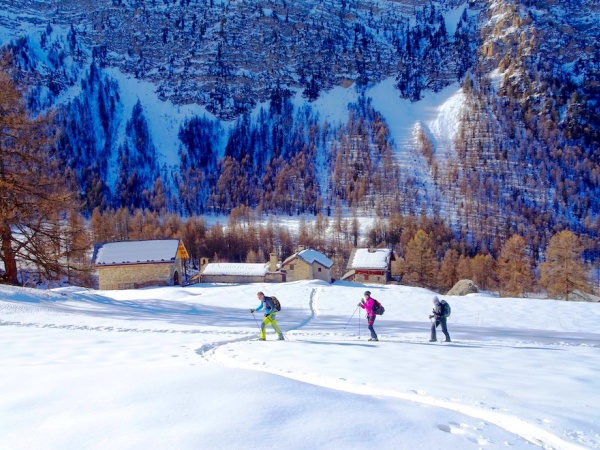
x,y
439,313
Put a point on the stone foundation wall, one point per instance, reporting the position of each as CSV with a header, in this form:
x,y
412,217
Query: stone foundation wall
x,y
131,276
369,278
231,279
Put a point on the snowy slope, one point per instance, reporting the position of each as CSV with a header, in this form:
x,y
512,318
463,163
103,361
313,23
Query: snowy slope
x,y
179,368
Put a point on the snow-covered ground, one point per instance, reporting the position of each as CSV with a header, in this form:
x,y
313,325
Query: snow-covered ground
x,y
180,368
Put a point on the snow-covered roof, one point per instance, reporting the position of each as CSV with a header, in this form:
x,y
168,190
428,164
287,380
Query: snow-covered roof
x,y
365,258
136,252
311,256
238,269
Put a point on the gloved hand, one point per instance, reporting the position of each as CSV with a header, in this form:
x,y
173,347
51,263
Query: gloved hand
x,y
359,304
252,311
431,317
267,315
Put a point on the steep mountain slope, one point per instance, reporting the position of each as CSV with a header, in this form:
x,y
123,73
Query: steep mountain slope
x,y
484,113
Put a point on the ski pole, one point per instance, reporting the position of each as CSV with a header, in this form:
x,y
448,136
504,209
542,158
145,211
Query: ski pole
x,y
350,317
257,325
359,326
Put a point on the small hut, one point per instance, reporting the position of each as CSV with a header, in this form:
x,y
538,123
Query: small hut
x,y
368,265
135,264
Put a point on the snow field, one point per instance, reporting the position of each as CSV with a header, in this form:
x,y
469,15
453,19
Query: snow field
x,y
179,368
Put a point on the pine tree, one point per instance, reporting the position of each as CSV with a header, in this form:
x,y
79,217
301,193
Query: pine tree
x,y
563,270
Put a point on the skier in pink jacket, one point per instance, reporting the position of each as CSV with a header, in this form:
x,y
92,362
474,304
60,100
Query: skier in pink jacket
x,y
367,304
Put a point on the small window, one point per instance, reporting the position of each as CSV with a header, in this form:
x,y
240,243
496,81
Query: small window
x,y
366,277
291,267
319,269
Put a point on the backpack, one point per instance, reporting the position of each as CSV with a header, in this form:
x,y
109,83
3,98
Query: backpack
x,y
276,303
378,308
447,310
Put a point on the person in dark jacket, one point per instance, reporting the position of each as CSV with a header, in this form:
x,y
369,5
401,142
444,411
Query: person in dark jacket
x,y
367,304
270,313
439,313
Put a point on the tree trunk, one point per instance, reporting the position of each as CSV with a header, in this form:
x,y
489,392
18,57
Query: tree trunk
x,y
8,254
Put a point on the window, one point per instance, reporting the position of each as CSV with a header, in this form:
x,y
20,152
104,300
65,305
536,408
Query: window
x,y
291,267
319,269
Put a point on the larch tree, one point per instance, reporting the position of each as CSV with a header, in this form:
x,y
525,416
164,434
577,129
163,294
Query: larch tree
x,y
447,275
483,267
419,261
464,268
514,268
563,270
36,196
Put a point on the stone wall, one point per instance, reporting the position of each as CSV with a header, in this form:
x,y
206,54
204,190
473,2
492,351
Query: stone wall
x,y
374,278
231,279
131,276
305,271
301,270
324,274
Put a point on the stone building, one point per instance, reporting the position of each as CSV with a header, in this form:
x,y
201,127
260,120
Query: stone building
x,y
307,264
135,264
241,272
368,265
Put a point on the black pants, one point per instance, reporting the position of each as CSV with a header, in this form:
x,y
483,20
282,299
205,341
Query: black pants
x,y
434,325
371,320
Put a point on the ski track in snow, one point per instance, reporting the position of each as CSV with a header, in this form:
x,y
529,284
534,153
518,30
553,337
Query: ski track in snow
x,y
121,329
215,352
212,353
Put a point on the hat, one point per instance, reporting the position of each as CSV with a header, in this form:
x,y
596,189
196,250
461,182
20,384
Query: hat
x,y
435,299
368,293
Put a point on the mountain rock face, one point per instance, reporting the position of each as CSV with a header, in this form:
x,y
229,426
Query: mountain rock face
x,y
197,106
230,55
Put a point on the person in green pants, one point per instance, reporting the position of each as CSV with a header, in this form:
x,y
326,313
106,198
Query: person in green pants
x,y
270,313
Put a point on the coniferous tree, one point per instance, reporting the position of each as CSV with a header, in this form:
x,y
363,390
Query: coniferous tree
x,y
515,273
464,270
419,261
35,188
483,267
563,271
448,275
77,244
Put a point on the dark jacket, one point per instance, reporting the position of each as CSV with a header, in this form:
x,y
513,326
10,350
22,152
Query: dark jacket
x,y
439,310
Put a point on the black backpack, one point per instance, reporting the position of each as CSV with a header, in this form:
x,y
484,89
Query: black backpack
x,y
447,310
378,308
276,303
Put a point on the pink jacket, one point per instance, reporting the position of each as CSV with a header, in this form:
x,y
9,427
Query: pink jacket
x,y
368,306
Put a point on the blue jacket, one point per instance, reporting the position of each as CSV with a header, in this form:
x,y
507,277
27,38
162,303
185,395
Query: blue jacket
x,y
268,304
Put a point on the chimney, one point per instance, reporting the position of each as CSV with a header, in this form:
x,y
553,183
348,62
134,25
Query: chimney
x,y
300,248
203,263
273,262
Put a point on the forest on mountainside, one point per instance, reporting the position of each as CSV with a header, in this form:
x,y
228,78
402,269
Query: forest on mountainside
x,y
525,160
